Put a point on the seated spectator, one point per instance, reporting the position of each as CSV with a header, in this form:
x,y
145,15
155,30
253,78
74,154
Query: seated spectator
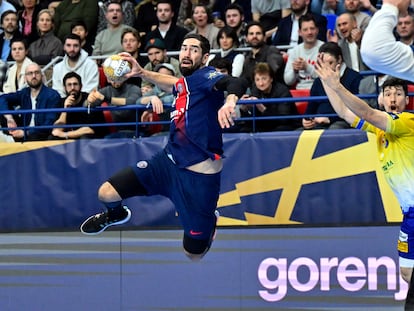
x,y
372,85
131,43
154,97
223,5
157,54
79,28
128,11
287,32
10,26
108,41
167,30
349,79
261,52
228,41
15,74
265,86
203,24
234,18
300,70
405,29
77,60
27,18
362,18
35,96
118,94
185,12
48,46
222,65
76,98
69,11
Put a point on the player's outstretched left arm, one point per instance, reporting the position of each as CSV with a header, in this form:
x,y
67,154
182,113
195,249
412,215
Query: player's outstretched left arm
x,y
227,112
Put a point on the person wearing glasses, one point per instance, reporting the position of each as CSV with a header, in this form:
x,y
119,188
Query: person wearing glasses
x,y
34,96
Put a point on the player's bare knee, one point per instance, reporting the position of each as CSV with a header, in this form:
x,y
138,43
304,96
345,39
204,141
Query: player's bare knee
x,y
406,273
107,193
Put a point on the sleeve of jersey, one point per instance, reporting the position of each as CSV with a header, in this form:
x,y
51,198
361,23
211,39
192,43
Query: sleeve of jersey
x,y
400,124
361,124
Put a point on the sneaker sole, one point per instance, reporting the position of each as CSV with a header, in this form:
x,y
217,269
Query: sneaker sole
x,y
104,228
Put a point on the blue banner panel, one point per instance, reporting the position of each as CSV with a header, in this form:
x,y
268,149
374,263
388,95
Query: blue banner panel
x,y
311,177
290,268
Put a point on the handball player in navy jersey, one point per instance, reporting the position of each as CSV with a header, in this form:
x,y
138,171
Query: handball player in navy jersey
x,y
187,170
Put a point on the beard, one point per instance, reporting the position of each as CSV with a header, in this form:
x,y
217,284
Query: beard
x,y
188,71
34,83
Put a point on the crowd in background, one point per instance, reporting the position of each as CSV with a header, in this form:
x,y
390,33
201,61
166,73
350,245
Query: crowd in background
x,y
54,50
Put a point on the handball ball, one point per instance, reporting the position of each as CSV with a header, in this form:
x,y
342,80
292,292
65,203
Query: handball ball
x,y
115,68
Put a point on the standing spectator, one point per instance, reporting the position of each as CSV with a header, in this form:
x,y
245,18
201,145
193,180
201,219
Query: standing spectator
x,y
300,71
234,17
287,32
405,29
265,86
203,24
223,5
167,30
157,54
228,41
75,59
35,96
10,26
350,41
269,13
108,41
79,28
261,53
48,46
349,78
128,11
69,11
27,18
15,74
76,98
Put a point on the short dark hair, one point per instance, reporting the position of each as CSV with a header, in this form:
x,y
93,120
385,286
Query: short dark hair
x,y
229,32
308,17
221,63
204,43
164,2
235,6
393,82
72,74
72,36
78,22
20,39
254,23
5,13
332,48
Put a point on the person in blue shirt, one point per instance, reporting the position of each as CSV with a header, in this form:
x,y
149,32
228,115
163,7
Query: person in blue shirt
x,y
35,96
188,169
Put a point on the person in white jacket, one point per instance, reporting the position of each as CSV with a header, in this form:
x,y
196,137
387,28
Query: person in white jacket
x,y
76,60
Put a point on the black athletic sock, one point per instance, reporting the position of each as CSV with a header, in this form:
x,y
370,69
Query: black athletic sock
x,y
115,209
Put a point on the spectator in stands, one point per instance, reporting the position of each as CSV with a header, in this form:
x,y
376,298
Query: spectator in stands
x,y
157,54
35,96
146,17
223,5
185,13
354,7
156,98
228,41
300,70
203,24
269,14
48,46
131,43
75,59
27,18
265,86
167,30
328,7
79,28
349,78
118,94
234,17
222,65
76,98
287,32
372,84
405,29
261,52
108,41
6,6
128,11
10,26
350,41
16,79
69,11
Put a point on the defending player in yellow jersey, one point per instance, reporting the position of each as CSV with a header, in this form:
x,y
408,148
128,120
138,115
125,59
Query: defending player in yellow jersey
x,y
394,129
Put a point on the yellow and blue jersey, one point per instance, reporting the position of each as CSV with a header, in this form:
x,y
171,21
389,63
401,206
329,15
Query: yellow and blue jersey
x,y
395,148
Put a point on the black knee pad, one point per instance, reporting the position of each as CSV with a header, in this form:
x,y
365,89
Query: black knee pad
x,y
195,246
127,184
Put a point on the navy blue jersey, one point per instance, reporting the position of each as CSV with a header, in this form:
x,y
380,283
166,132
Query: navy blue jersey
x,y
195,133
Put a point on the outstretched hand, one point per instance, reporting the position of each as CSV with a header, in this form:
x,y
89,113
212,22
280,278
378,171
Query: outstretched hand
x,y
136,69
328,76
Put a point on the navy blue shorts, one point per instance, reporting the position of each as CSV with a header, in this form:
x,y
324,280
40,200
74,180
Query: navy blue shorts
x,y
194,195
406,237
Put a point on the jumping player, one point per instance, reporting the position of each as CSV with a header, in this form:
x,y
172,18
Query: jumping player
x,y
188,170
